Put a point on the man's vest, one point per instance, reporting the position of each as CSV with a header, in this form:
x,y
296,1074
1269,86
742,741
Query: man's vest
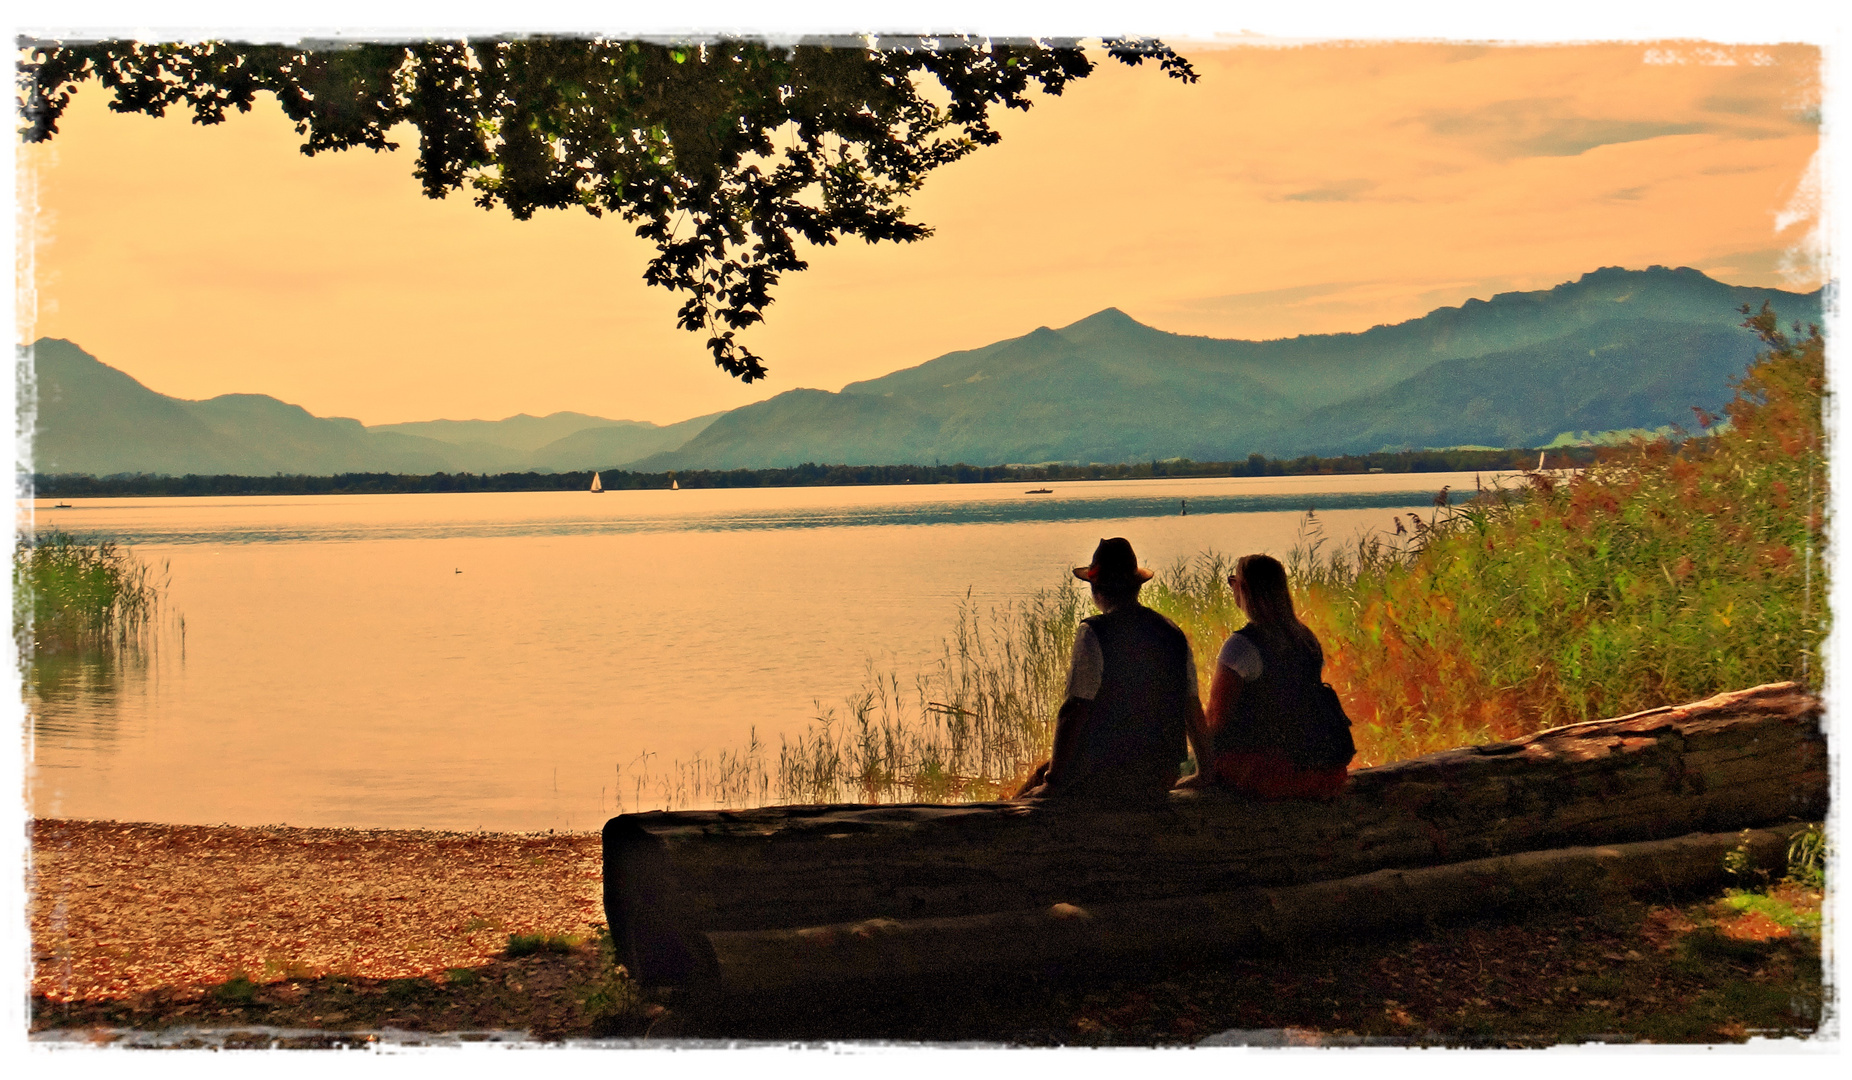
x,y
1134,737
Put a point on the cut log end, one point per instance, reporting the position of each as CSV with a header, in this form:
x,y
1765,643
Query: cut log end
x,y
648,912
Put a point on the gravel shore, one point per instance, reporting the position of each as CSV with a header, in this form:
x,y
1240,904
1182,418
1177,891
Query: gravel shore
x,y
119,908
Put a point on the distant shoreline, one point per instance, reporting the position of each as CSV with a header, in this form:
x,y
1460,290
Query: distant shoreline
x,y
78,485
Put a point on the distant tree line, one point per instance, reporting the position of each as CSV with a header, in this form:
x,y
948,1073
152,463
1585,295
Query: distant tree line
x,y
64,485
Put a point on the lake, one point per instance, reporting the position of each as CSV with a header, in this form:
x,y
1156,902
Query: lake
x,y
492,660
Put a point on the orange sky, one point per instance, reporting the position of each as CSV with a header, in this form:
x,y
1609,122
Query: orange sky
x,y
1293,190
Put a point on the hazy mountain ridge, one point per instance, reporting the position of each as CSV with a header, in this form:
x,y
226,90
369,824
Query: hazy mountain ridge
x,y
1602,378
617,444
1615,349
92,418
521,432
83,403
1110,389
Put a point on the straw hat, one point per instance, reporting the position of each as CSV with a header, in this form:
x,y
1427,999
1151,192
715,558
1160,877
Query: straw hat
x,y
1113,564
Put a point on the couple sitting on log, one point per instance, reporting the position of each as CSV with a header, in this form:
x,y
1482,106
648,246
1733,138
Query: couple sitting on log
x,y
1273,730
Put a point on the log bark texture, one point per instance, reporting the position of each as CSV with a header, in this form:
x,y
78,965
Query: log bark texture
x,y
890,951
674,880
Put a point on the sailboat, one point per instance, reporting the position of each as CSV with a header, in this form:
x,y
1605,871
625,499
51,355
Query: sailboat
x,y
597,485
675,485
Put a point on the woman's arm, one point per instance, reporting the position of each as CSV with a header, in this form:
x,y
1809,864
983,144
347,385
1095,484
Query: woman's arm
x,y
1224,687
1224,690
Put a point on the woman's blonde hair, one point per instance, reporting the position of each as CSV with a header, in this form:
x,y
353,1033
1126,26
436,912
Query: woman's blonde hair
x,y
1270,602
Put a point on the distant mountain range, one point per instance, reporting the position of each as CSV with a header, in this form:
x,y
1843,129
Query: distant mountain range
x,y
94,419
1616,349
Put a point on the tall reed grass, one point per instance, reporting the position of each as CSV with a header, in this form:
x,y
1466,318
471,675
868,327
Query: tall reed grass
x,y
87,614
971,727
1670,570
72,595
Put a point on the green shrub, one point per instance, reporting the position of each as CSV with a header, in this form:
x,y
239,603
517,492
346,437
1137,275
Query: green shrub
x,y
1807,857
1740,863
610,1000
533,944
237,990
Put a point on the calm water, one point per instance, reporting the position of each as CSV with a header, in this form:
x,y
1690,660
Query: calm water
x,y
490,660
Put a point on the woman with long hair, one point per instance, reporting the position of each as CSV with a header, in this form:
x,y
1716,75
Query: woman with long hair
x,y
1270,735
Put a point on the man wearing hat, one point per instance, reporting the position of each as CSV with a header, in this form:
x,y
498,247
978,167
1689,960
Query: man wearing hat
x,y
1131,694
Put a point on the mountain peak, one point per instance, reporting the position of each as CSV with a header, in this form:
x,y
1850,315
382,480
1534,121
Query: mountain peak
x,y
1608,274
1109,324
1105,318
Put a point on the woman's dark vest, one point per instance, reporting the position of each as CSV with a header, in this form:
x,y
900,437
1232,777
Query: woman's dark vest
x,y
1277,713
1134,738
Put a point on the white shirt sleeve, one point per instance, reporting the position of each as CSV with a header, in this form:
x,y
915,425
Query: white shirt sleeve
x,y
1240,656
1083,676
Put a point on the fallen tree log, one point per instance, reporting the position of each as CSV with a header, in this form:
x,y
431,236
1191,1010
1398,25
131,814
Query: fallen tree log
x,y
899,951
673,881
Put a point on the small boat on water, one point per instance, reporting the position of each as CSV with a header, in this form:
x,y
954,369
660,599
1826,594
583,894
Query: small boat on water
x,y
1040,491
597,485
60,506
675,485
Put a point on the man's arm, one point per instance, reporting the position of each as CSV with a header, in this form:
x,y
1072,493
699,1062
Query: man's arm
x,y
1083,685
1069,722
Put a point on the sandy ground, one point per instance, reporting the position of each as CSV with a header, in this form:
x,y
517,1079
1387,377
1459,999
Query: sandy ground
x,y
119,909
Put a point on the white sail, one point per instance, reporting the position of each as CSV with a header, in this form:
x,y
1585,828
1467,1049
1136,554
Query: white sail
x,y
675,485
597,484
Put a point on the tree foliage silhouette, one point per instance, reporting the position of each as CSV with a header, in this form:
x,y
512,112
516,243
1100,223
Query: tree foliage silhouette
x,y
724,153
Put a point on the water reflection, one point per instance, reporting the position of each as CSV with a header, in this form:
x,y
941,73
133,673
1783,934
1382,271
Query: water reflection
x,y
75,699
79,697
